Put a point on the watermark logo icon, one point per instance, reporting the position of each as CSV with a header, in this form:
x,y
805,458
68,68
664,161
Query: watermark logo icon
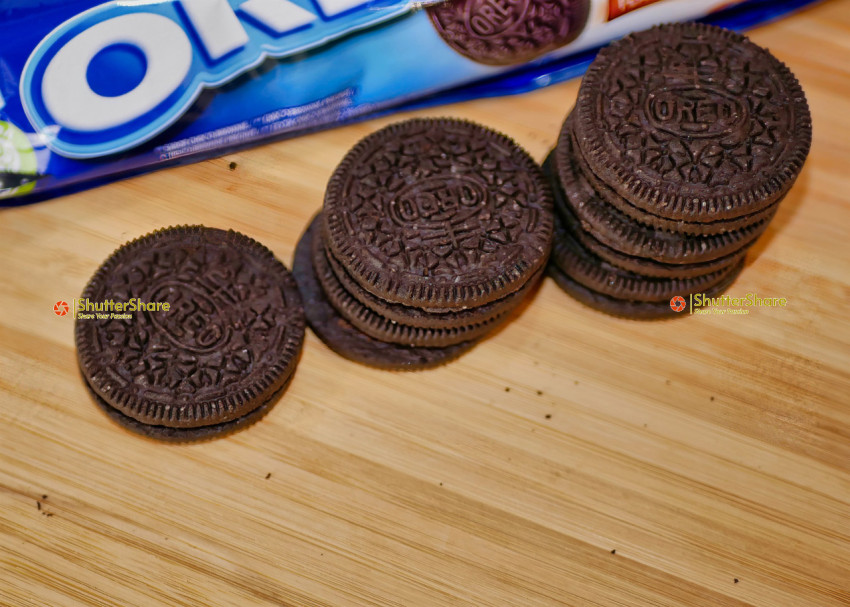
x,y
60,308
677,303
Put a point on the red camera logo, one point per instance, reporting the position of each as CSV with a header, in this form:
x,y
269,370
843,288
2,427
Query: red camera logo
x,y
60,308
677,303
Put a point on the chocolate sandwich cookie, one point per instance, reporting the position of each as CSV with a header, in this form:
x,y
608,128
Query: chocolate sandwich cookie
x,y
642,265
622,233
692,122
646,266
339,334
710,225
438,214
602,277
204,330
636,310
379,327
508,32
424,318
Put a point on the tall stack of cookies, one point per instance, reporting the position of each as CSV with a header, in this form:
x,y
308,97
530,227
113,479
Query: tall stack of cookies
x,y
432,232
683,141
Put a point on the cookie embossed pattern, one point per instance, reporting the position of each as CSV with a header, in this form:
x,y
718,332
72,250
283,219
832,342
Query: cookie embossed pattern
x,y
211,362
431,213
692,122
683,141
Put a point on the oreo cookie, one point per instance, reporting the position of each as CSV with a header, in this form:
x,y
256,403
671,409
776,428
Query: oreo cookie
x,y
684,140
423,318
608,279
757,220
193,333
373,324
184,435
634,247
508,32
342,337
640,265
626,308
692,122
438,214
433,231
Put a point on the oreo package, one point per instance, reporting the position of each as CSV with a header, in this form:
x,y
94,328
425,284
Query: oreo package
x,y
93,91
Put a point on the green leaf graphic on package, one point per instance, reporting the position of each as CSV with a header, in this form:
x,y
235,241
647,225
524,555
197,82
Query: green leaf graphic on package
x,y
18,168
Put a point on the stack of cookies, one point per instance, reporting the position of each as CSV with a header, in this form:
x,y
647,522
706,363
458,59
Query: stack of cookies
x,y
682,143
432,232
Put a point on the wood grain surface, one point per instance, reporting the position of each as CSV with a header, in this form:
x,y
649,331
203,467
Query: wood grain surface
x,y
571,459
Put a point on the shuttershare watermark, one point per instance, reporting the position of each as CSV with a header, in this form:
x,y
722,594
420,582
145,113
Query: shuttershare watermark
x,y
108,309
724,304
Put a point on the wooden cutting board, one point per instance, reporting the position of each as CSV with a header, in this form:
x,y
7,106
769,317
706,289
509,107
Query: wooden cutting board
x,y
571,459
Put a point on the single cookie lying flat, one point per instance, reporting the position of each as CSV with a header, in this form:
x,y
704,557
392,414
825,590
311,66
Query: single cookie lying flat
x,y
209,361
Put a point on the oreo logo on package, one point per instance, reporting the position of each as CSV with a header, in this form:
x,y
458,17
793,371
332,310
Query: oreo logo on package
x,y
113,77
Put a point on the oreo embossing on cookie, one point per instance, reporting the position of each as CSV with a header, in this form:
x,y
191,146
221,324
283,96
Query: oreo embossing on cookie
x,y
508,32
438,213
692,122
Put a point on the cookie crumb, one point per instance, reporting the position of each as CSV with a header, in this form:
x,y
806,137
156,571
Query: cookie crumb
x,y
232,166
268,476
736,580
44,497
614,551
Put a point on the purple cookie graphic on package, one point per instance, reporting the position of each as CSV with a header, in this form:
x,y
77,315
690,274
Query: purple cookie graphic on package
x,y
507,32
